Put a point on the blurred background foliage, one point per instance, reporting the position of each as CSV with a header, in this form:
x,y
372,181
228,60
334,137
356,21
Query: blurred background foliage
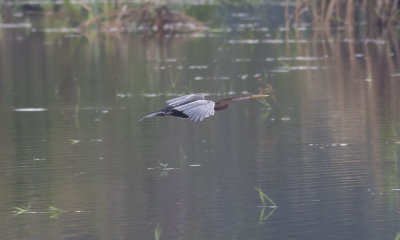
x,y
112,16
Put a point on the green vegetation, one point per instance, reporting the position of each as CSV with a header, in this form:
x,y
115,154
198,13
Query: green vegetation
x,y
20,210
264,196
154,17
74,141
397,236
157,233
110,17
263,216
53,211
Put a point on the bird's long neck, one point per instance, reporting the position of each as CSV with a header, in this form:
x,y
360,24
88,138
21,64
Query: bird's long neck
x,y
224,103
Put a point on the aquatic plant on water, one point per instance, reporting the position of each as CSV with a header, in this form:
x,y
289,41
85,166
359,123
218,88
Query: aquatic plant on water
x,y
157,233
264,196
263,216
54,212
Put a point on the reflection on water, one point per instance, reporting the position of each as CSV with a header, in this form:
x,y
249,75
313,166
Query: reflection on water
x,y
75,163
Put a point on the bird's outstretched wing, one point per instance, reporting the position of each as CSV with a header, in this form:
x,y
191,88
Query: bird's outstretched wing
x,y
197,110
185,99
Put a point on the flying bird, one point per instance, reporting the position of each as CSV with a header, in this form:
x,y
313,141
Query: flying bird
x,y
196,107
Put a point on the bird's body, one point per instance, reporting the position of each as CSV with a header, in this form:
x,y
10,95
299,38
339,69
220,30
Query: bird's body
x,y
196,107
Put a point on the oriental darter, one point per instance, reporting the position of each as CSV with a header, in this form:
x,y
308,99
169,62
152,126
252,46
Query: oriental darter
x,y
195,107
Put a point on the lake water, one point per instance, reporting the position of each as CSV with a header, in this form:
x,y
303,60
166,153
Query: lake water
x,y
75,162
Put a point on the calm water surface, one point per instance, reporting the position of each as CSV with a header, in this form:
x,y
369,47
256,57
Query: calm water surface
x,y
326,150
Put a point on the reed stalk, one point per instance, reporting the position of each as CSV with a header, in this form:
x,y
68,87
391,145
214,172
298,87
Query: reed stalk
x,y
324,13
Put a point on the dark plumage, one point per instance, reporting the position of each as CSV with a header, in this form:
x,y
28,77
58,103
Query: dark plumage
x,y
195,107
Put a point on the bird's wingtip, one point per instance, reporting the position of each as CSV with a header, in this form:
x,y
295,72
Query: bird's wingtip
x,y
147,116
144,118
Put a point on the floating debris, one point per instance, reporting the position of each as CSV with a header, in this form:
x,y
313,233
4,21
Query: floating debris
x,y
30,109
244,77
198,67
302,58
199,78
124,95
75,141
170,60
56,30
240,15
323,145
169,169
244,41
298,58
286,69
151,95
284,58
281,70
15,25
222,78
376,41
273,41
241,60
304,68
247,25
198,35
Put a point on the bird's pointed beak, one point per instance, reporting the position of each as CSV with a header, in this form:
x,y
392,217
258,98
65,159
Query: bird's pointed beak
x,y
259,96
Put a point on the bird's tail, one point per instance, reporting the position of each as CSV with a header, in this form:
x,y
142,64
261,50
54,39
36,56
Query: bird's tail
x,y
153,114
